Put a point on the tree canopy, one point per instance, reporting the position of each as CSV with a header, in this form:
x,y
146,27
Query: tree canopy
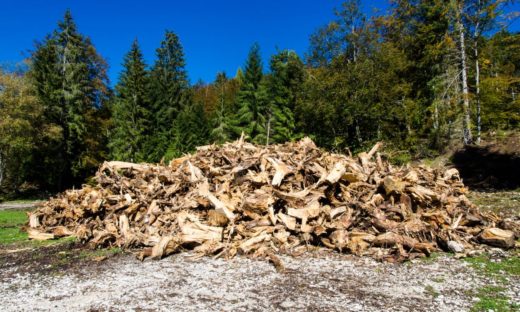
x,y
421,76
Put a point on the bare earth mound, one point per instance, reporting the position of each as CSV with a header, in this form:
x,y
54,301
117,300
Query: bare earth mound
x,y
263,201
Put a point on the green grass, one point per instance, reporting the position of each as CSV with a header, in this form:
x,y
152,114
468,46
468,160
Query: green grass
x,y
11,234
10,223
434,256
12,218
485,265
492,298
430,290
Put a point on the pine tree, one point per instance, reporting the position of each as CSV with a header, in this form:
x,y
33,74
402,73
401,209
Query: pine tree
x,y
71,82
131,109
284,86
252,100
169,93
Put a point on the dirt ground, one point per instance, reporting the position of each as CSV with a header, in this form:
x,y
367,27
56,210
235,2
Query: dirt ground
x,y
325,282
67,277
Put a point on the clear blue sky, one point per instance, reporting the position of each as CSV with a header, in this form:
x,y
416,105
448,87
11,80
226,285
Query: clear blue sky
x,y
216,35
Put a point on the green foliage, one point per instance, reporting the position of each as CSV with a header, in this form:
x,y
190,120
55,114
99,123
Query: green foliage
x,y
22,129
396,77
284,90
70,80
225,90
190,130
131,110
501,82
168,94
250,117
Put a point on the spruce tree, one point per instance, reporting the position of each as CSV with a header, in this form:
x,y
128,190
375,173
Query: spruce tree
x,y
131,110
169,93
284,85
71,82
252,100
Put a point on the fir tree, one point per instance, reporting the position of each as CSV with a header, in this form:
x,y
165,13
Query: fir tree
x,y
252,100
168,91
285,82
131,112
71,82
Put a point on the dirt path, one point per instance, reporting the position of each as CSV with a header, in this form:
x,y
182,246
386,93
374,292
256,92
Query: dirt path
x,y
23,205
180,283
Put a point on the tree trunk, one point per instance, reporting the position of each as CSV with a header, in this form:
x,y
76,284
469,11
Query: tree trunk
x,y
477,74
477,93
1,170
268,130
466,123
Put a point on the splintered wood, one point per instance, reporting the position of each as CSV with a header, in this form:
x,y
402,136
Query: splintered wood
x,y
263,201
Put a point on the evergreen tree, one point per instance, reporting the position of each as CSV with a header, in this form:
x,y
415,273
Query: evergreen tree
x,y
190,130
221,130
71,82
131,110
169,93
284,86
252,100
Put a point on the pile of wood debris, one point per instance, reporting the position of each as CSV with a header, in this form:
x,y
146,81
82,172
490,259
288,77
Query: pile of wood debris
x,y
247,199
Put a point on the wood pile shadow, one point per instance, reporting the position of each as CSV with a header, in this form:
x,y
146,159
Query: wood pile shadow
x,y
488,168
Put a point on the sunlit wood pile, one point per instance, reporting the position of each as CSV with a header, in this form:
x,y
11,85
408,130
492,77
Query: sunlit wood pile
x,y
240,198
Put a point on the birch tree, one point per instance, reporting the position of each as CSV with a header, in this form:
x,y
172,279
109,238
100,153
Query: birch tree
x,y
457,6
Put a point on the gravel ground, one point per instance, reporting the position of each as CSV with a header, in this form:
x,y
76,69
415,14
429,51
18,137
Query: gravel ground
x,y
181,283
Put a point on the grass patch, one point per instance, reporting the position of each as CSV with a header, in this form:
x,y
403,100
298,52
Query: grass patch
x,y
11,234
434,256
12,218
430,290
503,203
485,265
10,223
491,298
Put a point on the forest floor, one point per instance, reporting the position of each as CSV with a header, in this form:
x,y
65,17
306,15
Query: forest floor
x,y
64,275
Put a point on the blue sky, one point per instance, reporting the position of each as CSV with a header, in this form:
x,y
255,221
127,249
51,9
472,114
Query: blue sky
x,y
216,35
